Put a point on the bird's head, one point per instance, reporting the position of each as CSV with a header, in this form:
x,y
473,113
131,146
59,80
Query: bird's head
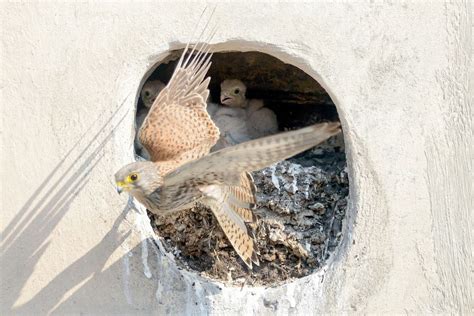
x,y
233,93
138,178
150,91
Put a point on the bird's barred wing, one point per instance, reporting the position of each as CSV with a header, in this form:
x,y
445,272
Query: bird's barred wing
x,y
225,166
227,188
243,197
178,126
232,206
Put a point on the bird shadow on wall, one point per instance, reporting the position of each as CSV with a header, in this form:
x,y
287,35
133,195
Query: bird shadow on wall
x,y
26,237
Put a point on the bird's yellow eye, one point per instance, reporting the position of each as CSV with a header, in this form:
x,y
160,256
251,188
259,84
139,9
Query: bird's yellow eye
x,y
133,177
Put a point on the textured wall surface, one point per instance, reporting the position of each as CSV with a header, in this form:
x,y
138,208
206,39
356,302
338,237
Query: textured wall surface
x,y
398,73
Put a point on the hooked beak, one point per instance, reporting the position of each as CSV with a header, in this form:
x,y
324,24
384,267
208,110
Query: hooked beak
x,y
120,186
225,98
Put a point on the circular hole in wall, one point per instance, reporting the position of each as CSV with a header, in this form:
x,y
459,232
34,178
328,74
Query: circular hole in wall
x,y
301,202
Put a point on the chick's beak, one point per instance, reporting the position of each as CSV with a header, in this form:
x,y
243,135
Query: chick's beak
x,y
225,98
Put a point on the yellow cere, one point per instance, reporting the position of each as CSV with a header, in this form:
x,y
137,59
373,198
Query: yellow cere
x,y
120,183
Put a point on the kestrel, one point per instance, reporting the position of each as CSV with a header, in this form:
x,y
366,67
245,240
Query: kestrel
x,y
178,134
241,119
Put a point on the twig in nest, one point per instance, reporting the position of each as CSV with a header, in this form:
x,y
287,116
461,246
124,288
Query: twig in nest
x,y
216,255
273,264
209,239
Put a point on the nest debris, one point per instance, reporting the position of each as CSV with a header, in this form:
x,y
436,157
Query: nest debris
x,y
301,204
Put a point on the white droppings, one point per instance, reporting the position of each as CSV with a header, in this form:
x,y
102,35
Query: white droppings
x,y
275,180
159,289
294,170
126,276
146,268
141,221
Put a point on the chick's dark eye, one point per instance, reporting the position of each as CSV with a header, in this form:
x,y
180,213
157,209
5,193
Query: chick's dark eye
x,y
236,91
147,93
133,177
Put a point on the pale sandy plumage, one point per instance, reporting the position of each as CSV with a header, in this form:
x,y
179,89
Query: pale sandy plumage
x,y
240,119
178,133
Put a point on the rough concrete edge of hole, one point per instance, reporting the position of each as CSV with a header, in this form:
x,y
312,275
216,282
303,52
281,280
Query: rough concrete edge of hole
x,y
140,71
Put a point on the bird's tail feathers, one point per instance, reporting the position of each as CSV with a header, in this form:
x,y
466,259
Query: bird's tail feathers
x,y
232,218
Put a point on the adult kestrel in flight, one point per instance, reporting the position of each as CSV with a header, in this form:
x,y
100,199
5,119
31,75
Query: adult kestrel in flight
x,y
178,134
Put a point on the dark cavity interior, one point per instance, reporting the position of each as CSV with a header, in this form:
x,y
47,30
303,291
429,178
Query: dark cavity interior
x,y
296,98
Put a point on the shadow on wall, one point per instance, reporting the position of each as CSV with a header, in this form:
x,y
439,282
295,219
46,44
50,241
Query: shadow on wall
x,y
25,239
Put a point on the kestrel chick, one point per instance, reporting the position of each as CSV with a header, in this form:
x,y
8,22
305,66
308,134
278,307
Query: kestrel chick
x,y
150,91
241,119
233,93
178,133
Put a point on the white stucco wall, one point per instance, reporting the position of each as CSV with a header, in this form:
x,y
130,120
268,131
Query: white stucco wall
x,y
398,73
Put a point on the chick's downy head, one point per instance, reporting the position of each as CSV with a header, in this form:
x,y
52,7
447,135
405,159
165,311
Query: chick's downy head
x,y
150,91
233,93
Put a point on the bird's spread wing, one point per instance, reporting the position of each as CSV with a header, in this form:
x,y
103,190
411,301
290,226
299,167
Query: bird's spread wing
x,y
225,166
225,185
178,126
